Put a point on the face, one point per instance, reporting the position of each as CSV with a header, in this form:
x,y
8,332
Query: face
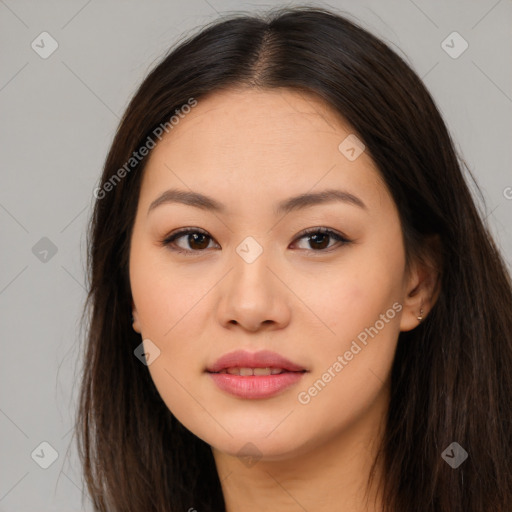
x,y
321,283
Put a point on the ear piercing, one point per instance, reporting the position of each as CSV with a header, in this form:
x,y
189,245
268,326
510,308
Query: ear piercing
x,y
420,317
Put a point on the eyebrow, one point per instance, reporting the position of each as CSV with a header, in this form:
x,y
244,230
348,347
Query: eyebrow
x,y
291,204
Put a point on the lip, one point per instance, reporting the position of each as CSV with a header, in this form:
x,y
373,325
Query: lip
x,y
262,359
255,386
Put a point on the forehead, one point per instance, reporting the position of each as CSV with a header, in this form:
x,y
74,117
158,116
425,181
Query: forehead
x,y
258,142
277,116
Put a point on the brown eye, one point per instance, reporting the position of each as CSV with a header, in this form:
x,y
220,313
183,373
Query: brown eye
x,y
197,240
194,240
318,239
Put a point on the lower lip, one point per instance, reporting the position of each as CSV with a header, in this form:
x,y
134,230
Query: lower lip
x,y
255,386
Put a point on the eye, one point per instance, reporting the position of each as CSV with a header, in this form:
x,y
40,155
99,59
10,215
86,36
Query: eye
x,y
318,239
199,240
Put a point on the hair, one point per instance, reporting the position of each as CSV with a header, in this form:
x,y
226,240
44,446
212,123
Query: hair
x,y
451,379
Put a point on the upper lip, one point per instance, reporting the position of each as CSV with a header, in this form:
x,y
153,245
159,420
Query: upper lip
x,y
262,359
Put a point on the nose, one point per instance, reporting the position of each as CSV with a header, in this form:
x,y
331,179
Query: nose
x,y
253,296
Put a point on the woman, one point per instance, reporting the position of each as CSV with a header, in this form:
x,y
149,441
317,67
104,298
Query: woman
x,y
294,304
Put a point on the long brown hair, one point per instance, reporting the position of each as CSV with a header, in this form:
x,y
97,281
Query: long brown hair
x,y
452,375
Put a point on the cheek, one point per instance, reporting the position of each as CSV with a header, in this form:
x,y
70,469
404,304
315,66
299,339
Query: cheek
x,y
172,312
162,293
168,308
354,294
359,303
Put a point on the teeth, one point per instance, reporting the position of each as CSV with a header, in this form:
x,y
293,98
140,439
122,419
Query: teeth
x,y
262,371
244,372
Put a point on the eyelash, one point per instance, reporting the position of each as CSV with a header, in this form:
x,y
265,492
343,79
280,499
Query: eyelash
x,y
168,241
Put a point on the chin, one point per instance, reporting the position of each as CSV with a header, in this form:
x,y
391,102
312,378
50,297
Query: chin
x,y
258,445
256,450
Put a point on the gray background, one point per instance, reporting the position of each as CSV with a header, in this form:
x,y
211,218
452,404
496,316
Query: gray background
x,y
58,117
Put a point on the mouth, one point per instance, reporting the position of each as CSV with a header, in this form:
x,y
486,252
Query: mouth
x,y
255,383
258,371
257,375
264,362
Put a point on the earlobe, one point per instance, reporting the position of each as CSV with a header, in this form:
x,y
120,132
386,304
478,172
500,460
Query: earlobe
x,y
412,316
135,321
421,294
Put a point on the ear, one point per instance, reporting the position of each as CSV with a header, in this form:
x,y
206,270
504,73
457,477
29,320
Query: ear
x,y
422,285
135,323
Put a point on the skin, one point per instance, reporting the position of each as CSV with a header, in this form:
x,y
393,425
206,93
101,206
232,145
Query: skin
x,y
250,149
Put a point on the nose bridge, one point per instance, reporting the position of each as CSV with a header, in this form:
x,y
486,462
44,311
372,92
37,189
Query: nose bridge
x,y
251,294
250,250
251,275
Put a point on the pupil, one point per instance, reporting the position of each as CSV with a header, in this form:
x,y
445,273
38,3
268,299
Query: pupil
x,y
322,236
194,237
